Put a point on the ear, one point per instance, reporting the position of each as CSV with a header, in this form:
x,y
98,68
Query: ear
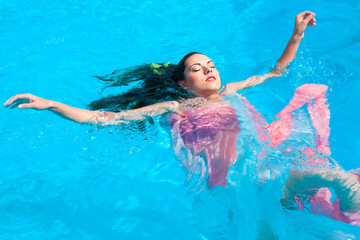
x,y
183,84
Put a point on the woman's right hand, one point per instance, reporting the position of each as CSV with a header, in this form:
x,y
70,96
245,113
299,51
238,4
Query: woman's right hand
x,y
34,101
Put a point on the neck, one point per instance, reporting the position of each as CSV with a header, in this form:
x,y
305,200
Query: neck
x,y
210,94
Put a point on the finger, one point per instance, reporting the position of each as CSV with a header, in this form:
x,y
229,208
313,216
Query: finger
x,y
26,105
11,100
305,17
313,19
308,19
19,96
312,22
305,13
17,102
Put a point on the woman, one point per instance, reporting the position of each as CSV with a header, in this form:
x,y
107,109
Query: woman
x,y
209,133
197,74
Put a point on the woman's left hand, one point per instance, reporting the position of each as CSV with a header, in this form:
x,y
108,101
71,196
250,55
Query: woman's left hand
x,y
302,20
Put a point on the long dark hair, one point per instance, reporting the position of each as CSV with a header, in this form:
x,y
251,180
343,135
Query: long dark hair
x,y
153,83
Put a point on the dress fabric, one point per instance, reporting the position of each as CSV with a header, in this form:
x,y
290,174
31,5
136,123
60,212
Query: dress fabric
x,y
213,131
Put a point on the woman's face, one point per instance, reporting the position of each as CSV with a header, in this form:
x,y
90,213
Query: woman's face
x,y
201,75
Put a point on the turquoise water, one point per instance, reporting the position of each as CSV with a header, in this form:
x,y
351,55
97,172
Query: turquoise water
x,y
62,180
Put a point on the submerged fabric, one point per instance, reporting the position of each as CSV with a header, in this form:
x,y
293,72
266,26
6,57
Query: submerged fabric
x,y
321,204
211,133
320,200
214,131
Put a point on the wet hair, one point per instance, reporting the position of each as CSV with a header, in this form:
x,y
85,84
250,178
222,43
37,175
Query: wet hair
x,y
149,86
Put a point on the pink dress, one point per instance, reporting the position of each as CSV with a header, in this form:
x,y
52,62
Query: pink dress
x,y
213,131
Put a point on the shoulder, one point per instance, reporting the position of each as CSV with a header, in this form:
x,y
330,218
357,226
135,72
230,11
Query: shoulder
x,y
229,89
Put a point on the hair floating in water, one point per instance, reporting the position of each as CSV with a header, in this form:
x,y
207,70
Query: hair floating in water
x,y
153,83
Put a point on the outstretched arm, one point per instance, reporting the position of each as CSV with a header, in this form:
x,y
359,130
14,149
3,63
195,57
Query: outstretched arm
x,y
302,20
88,116
135,114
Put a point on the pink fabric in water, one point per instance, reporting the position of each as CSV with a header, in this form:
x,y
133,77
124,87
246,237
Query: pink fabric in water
x,y
321,205
213,130
276,132
314,96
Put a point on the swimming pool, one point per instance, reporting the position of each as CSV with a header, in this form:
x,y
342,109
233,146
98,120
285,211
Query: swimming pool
x,y
61,180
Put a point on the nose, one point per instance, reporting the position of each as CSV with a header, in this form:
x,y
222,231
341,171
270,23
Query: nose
x,y
207,70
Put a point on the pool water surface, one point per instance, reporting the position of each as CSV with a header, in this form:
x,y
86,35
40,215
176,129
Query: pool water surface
x,y
63,180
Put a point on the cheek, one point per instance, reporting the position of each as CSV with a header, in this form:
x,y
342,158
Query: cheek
x,y
193,79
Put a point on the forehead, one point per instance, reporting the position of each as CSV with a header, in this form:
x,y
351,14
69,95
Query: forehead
x,y
197,58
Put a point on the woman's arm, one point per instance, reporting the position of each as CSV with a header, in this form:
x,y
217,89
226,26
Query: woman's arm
x,y
135,114
302,20
88,116
74,114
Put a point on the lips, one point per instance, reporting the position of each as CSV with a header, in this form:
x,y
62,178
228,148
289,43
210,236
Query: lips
x,y
211,79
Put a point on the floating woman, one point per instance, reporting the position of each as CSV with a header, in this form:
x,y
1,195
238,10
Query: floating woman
x,y
207,126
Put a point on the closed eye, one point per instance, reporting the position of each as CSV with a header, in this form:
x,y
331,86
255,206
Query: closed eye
x,y
211,64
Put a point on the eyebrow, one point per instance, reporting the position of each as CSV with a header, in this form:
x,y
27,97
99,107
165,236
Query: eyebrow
x,y
199,64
